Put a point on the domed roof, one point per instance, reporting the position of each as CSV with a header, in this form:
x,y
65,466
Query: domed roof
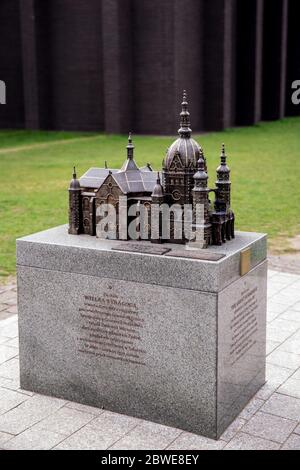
x,y
74,184
201,173
158,189
185,148
223,168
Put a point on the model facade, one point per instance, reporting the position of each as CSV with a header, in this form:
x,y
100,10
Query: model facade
x,y
184,181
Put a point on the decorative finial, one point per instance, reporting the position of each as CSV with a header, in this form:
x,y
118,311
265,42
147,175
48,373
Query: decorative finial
x,y
74,173
223,155
201,162
184,130
130,147
105,164
158,178
201,153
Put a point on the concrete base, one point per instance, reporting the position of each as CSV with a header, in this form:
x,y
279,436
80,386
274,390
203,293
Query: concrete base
x,y
175,340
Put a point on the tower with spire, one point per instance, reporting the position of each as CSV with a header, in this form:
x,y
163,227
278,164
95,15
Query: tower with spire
x,y
223,184
223,216
75,206
202,227
180,162
157,199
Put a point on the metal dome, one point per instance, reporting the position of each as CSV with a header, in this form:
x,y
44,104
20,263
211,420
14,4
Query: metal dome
x,y
187,149
74,184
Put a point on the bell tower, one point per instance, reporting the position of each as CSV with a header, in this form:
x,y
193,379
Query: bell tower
x,y
201,216
180,162
223,185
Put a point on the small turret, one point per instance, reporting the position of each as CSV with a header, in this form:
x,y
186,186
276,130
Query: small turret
x,y
157,198
201,217
74,184
223,185
223,169
130,147
74,205
129,164
223,216
201,177
158,191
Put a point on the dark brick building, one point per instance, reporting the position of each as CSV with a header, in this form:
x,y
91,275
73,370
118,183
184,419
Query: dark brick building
x,y
115,65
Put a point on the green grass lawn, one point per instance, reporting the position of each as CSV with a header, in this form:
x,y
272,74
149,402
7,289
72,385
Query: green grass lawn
x,y
35,169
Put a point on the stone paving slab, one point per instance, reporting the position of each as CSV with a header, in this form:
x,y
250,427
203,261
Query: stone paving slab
x,y
270,427
270,421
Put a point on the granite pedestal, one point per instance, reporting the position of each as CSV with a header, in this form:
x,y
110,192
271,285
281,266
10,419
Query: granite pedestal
x,y
172,339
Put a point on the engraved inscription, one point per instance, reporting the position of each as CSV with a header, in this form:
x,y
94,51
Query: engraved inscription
x,y
244,324
110,327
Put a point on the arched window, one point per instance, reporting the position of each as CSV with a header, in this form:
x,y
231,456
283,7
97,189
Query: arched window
x,y
86,203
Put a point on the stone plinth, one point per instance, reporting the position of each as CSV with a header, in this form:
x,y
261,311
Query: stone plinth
x,y
172,339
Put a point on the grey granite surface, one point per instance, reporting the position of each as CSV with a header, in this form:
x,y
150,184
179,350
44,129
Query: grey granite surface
x,y
173,379
56,249
160,338
241,343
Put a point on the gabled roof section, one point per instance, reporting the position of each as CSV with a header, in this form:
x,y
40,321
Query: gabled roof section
x,y
129,165
130,178
94,177
135,181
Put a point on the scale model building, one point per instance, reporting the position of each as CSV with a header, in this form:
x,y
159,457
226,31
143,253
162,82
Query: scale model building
x,y
184,181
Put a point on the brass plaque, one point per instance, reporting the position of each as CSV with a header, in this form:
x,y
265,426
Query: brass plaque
x,y
245,261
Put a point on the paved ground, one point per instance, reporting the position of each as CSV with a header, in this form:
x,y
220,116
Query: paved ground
x,y
270,421
287,262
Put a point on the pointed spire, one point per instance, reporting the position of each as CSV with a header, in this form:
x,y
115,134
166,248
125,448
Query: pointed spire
x,y
129,163
201,153
201,162
185,130
223,168
130,147
74,184
223,155
201,172
158,191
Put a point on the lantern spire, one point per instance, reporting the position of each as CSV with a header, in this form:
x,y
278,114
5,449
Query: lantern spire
x,y
185,130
